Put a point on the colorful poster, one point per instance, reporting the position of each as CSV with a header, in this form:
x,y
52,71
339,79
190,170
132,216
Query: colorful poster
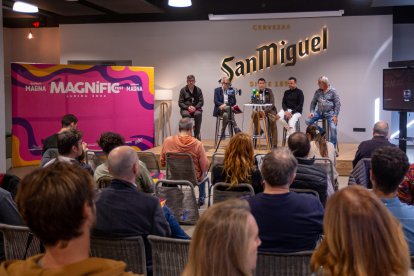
x,y
103,98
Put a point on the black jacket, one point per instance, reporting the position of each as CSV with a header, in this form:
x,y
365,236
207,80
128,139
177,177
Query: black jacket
x,y
366,148
187,98
310,176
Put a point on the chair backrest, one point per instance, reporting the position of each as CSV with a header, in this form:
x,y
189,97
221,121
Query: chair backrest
x,y
306,191
94,158
360,173
275,264
258,159
222,192
180,166
150,161
19,242
327,165
216,159
130,250
49,154
169,256
104,181
180,198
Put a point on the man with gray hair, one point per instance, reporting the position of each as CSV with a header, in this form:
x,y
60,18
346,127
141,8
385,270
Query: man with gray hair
x,y
121,209
379,139
185,143
191,102
325,105
288,221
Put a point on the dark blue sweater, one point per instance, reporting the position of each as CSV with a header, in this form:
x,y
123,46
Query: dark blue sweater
x,y
288,222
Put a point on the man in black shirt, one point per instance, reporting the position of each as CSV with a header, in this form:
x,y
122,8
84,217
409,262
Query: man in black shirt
x,y
69,122
191,102
292,105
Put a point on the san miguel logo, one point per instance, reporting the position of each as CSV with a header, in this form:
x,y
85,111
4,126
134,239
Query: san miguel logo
x,y
276,53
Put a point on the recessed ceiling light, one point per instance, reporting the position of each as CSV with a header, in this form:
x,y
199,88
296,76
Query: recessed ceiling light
x,y
179,3
19,6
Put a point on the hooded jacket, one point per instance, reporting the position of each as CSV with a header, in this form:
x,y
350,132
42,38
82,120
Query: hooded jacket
x,y
186,144
90,266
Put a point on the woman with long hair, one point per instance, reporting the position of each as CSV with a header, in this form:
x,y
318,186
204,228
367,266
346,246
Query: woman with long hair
x,y
361,237
224,242
238,166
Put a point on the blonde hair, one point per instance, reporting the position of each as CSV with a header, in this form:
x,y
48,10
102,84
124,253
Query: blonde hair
x,y
361,237
219,244
239,159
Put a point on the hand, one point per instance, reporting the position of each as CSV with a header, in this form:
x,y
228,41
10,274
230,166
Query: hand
x,y
191,109
310,115
222,107
84,146
288,114
335,120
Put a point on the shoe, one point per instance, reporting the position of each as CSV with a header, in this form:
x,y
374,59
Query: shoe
x,y
237,129
200,202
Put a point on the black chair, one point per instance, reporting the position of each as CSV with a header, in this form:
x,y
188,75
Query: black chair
x,y
19,242
150,161
48,155
283,264
130,250
180,166
221,191
360,174
180,198
169,256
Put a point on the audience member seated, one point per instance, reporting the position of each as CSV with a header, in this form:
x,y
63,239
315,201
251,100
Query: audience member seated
x,y
308,175
69,122
8,215
388,167
110,140
225,241
121,209
288,221
70,147
10,183
406,188
186,143
320,148
238,166
361,237
379,139
57,204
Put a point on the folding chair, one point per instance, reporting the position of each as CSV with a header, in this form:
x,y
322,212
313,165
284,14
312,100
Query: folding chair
x,y
221,191
19,242
282,264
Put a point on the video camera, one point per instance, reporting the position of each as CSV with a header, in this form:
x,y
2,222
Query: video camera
x,y
232,91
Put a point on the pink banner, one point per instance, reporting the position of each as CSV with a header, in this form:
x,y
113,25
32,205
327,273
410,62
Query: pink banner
x,y
103,98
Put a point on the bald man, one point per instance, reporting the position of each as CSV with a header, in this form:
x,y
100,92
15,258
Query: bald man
x,y
121,209
379,139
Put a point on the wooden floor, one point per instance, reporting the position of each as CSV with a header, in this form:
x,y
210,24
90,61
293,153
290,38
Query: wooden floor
x,y
343,161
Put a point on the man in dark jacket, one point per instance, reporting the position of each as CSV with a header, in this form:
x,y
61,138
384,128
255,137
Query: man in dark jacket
x,y
224,100
266,94
379,139
191,102
308,175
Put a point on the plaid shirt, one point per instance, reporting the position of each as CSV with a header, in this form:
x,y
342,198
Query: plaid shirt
x,y
406,188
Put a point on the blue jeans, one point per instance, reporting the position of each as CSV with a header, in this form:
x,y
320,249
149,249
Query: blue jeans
x,y
176,231
203,190
328,116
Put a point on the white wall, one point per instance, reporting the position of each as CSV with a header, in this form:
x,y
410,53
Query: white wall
x,y
43,48
359,48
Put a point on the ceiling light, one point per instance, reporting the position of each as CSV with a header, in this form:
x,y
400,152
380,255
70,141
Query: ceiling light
x,y
254,16
24,7
179,3
30,35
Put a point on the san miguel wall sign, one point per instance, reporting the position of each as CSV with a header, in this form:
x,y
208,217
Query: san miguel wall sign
x,y
276,53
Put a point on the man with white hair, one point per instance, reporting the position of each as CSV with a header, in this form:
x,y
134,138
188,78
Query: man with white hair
x,y
379,139
325,105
